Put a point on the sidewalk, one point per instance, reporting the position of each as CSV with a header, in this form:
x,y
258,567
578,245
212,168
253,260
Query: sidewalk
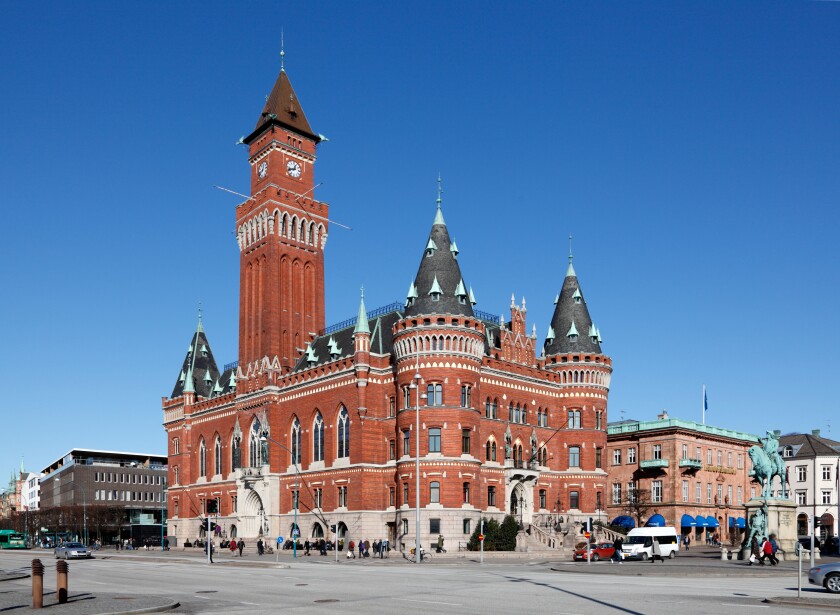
x,y
20,601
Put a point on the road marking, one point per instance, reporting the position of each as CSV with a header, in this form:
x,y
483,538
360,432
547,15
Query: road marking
x,y
753,606
429,602
251,603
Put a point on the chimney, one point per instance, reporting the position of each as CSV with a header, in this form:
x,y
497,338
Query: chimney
x,y
663,416
815,432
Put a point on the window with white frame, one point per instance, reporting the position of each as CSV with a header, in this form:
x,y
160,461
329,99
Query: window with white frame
x,y
685,491
728,460
616,456
708,493
466,396
826,497
740,495
729,494
740,461
343,433
616,493
801,498
434,394
709,457
574,419
631,492
434,492
826,472
656,491
657,451
574,456
685,451
631,455
720,494
342,496
801,473
698,492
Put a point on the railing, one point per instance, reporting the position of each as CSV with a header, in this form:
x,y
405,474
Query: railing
x,y
544,537
396,306
691,463
233,365
482,315
654,463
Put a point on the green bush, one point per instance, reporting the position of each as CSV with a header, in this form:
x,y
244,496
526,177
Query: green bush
x,y
496,537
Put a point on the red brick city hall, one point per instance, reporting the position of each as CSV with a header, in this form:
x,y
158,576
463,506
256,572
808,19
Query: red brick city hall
x,y
319,424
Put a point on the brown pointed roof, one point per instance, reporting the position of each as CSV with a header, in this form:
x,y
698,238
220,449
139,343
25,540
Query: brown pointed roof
x,y
283,108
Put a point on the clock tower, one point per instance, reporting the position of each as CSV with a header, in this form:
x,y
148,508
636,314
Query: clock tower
x,y
281,231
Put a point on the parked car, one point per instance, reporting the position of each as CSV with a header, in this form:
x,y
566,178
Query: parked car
x,y
603,550
827,575
72,550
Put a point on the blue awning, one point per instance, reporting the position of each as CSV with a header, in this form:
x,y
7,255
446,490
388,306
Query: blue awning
x,y
688,521
741,522
713,522
732,522
656,521
624,521
701,521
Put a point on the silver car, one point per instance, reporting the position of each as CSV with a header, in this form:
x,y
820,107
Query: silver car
x,y
827,575
72,550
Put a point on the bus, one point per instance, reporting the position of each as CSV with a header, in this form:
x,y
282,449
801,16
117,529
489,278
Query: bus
x,y
10,539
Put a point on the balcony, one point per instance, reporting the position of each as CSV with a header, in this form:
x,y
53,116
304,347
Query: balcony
x,y
691,464
653,463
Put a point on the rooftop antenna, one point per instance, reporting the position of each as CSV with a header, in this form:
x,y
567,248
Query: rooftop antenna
x,y
282,53
622,415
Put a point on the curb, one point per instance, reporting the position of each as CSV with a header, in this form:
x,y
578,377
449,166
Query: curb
x,y
815,604
152,609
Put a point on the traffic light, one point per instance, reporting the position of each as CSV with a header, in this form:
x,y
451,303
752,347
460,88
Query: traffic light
x,y
332,529
591,526
212,507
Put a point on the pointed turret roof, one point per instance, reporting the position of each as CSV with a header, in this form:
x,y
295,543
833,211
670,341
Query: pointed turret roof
x,y
439,270
282,108
572,316
361,318
198,371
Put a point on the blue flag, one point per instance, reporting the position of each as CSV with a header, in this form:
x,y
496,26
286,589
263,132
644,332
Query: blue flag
x,y
705,400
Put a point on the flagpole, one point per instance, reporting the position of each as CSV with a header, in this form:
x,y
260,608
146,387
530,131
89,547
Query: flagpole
x,y
703,404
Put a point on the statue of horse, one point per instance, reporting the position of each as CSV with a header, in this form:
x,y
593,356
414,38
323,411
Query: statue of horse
x,y
765,467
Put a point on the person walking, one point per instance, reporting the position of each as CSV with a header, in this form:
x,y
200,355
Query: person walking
x,y
617,544
233,548
351,552
755,552
259,547
656,551
241,546
774,547
440,543
687,542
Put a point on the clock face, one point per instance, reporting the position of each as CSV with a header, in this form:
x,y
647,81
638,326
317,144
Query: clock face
x,y
293,169
262,170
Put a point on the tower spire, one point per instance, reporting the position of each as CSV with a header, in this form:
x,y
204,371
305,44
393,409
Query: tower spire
x,y
282,53
570,272
361,319
439,213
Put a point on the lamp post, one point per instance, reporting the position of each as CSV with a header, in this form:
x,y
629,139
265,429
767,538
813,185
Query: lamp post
x,y
415,384
264,437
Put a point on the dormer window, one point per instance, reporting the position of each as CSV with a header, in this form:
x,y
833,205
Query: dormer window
x,y
577,296
435,292
411,296
435,296
787,452
431,247
573,333
203,350
461,293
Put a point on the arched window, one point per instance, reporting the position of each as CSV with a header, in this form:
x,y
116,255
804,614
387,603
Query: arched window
x,y
574,456
434,492
318,439
255,457
574,419
517,450
235,453
217,456
202,459
543,456
343,433
491,450
295,447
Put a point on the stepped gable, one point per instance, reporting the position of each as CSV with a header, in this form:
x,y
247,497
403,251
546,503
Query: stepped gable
x,y
321,351
198,363
282,108
438,285
573,328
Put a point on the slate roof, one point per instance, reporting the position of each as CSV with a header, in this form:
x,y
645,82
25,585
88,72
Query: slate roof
x,y
381,342
199,362
283,109
439,270
809,445
567,312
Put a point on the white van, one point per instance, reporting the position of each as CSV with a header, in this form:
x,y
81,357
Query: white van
x,y
639,542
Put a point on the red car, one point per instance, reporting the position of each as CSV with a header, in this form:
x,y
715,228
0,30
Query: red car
x,y
602,550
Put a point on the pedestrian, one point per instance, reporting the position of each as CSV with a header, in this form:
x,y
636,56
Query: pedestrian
x,y
367,549
774,547
166,544
381,549
656,551
361,549
616,556
241,546
351,553
259,547
440,543
233,548
687,542
755,552
322,546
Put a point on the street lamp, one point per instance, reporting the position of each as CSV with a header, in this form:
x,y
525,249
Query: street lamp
x,y
416,385
264,437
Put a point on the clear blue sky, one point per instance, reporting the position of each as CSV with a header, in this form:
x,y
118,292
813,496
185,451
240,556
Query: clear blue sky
x,y
693,149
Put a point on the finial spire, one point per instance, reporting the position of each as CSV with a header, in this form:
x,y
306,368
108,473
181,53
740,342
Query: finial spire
x,y
361,319
570,272
282,53
570,249
440,191
199,311
439,213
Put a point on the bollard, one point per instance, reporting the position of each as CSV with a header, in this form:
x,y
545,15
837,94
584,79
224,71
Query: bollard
x,y
724,554
37,584
61,569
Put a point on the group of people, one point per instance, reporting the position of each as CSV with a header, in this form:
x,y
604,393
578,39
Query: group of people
x,y
766,549
235,546
380,548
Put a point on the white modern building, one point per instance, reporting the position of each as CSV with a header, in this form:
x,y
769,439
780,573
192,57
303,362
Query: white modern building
x,y
813,467
30,490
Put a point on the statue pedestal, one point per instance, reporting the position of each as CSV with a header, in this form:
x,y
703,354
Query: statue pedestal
x,y
781,521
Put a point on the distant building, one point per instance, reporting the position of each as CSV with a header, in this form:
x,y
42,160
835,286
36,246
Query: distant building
x,y
132,483
685,471
813,464
30,491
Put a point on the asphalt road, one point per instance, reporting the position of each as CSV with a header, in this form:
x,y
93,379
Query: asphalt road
x,y
320,585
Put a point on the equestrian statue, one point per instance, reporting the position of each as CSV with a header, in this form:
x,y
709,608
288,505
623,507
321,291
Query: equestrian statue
x,y
768,463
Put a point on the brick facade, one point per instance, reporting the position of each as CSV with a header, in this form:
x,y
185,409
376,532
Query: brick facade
x,y
502,430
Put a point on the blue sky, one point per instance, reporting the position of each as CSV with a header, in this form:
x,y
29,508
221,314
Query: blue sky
x,y
692,149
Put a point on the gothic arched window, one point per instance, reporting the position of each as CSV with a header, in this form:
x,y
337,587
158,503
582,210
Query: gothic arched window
x,y
235,453
202,459
255,459
343,433
318,439
217,456
295,448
